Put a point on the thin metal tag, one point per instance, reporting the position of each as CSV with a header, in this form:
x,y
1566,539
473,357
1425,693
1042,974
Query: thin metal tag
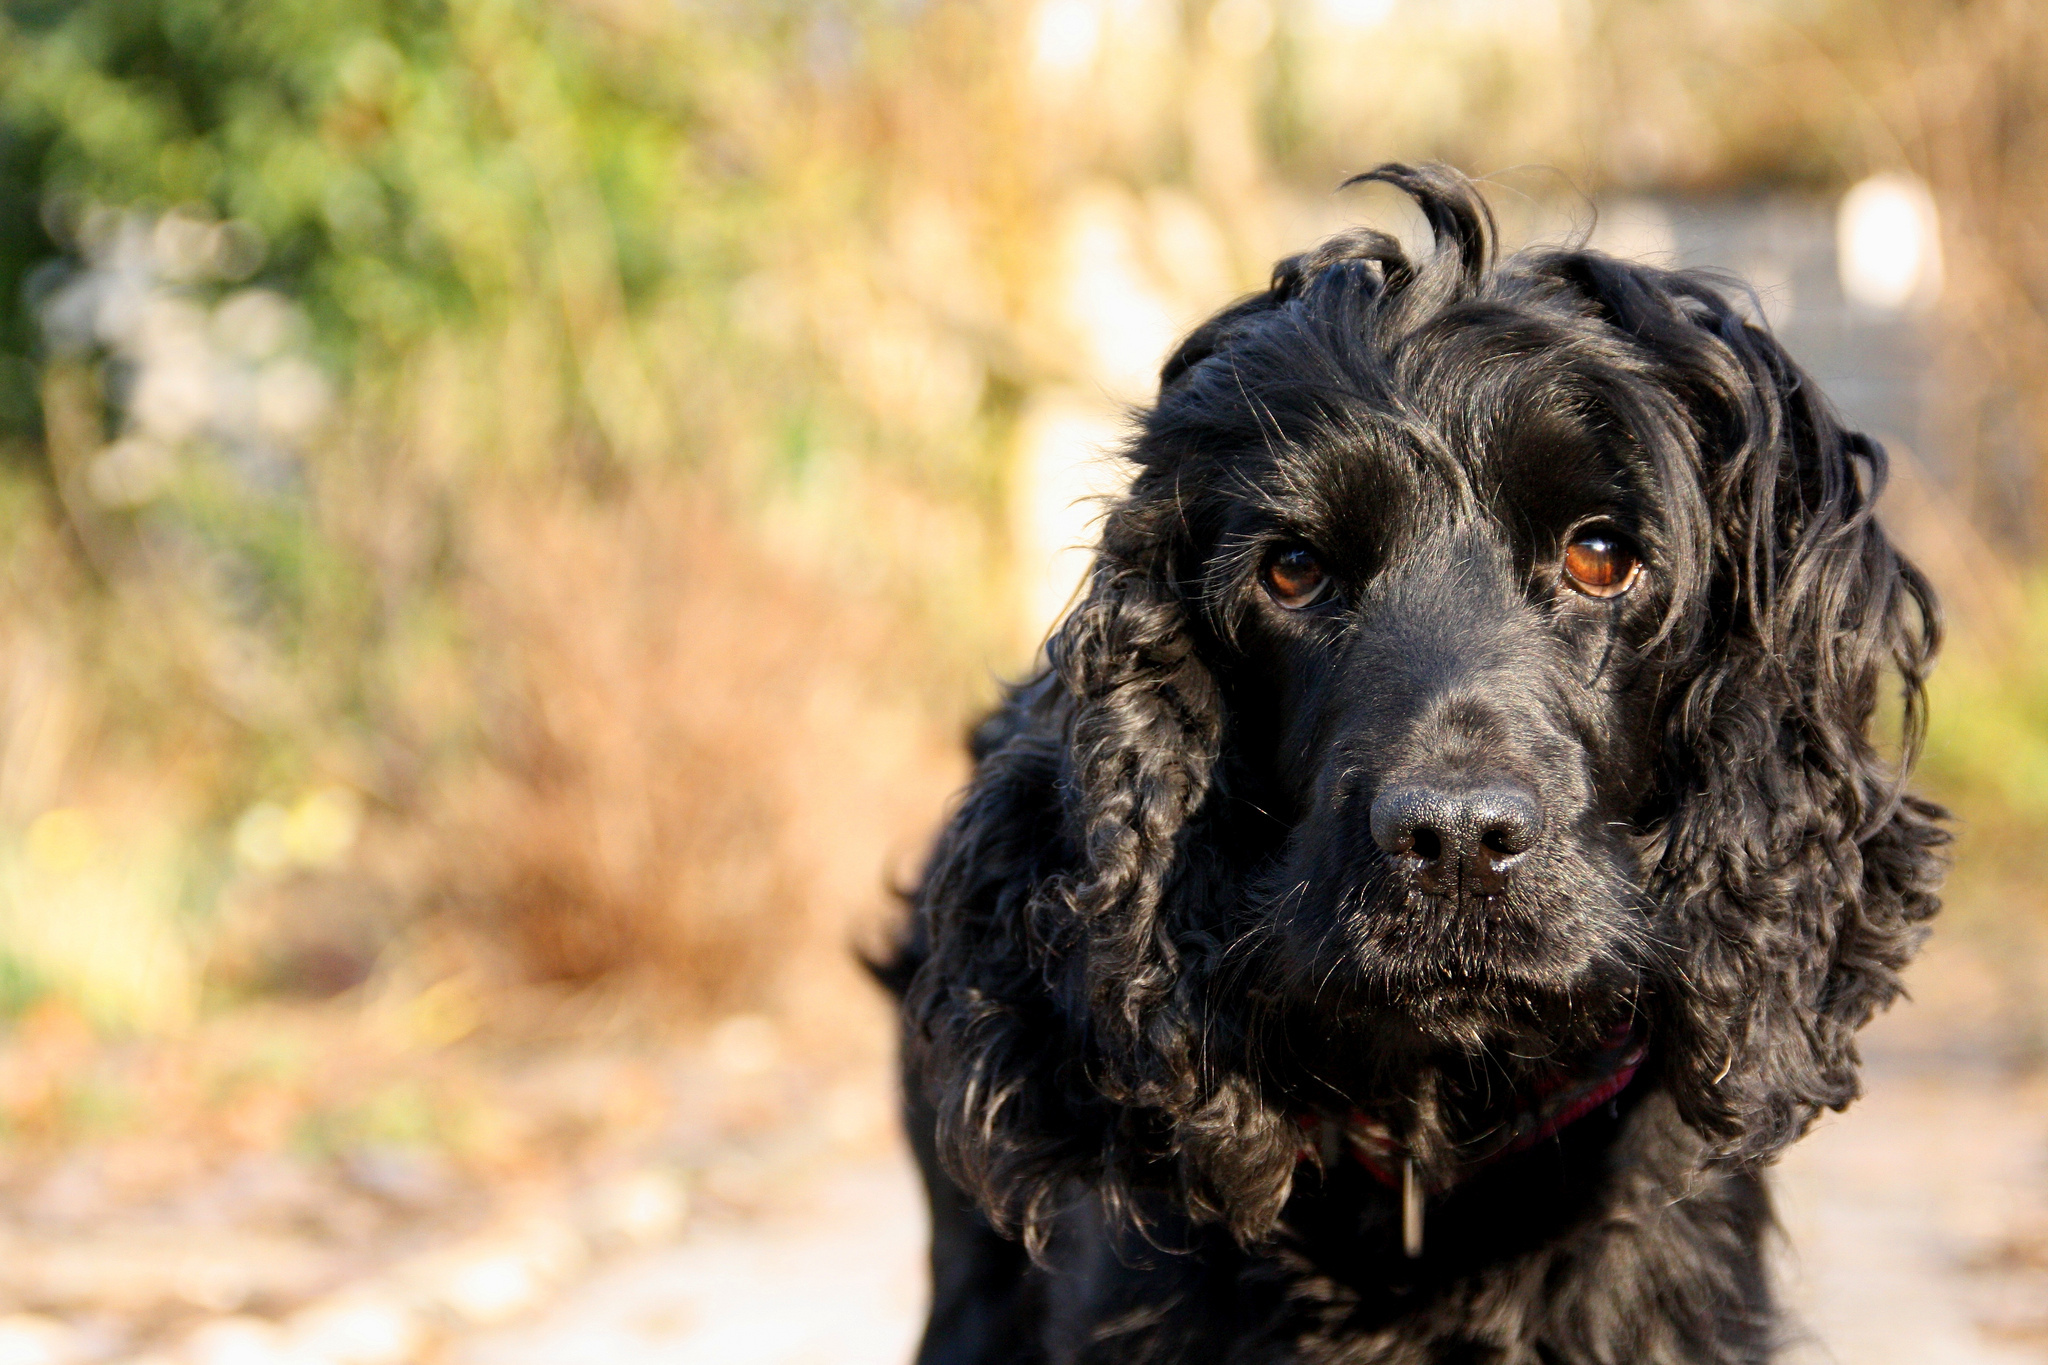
x,y
1411,1208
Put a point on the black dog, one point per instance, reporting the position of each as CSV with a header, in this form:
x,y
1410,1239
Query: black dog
x,y
1444,860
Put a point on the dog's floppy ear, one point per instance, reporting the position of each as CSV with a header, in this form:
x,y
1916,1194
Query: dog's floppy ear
x,y
1054,1018
1795,873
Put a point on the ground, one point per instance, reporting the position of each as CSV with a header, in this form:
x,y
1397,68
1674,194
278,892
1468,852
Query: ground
x,y
1914,1231
741,1198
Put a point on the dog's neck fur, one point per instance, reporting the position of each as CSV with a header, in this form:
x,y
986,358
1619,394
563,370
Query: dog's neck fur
x,y
1426,1140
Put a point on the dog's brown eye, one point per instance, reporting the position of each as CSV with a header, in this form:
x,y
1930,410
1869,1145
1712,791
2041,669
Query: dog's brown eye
x,y
1295,579
1601,564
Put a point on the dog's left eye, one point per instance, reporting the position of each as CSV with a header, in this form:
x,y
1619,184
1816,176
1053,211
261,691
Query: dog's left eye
x,y
1294,578
1599,563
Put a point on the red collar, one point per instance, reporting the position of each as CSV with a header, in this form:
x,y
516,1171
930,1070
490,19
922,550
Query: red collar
x,y
1557,1101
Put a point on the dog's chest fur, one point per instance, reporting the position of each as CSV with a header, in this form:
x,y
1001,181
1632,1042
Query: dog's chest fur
x,y
1613,1266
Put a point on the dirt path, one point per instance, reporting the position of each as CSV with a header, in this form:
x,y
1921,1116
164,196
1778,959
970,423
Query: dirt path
x,y
1899,1215
835,1280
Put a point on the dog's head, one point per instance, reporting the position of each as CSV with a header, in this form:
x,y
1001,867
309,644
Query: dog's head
x,y
1483,657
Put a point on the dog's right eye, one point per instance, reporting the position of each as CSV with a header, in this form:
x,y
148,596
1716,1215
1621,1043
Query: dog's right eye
x,y
1294,578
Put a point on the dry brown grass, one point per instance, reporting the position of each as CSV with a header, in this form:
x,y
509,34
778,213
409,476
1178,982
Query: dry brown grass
x,y
696,761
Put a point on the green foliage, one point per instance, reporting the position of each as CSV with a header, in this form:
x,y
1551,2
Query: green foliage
x,y
408,163
403,174
1987,743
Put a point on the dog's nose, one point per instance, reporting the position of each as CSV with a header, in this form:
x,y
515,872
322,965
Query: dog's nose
x,y
1463,840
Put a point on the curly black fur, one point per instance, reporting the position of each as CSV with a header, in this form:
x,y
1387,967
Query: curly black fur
x,y
1159,936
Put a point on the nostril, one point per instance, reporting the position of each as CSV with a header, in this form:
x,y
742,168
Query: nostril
x,y
1506,821
1505,841
1409,820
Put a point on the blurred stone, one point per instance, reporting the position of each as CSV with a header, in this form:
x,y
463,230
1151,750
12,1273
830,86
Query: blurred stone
x,y
745,1045
839,1276
501,1276
260,1187
365,1329
32,1339
741,1181
161,1269
216,1285
853,1111
74,1195
553,1248
491,1287
238,1341
98,1336
643,1207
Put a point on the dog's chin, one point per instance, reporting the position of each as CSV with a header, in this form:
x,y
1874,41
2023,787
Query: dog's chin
x,y
1399,985
1372,1037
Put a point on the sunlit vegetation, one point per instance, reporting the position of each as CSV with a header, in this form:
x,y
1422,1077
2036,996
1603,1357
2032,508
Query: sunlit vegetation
x,y
527,491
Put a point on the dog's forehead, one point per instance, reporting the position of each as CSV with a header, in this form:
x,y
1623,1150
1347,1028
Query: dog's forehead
x,y
1381,470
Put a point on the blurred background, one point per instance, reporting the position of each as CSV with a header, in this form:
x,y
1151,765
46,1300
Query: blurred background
x,y
507,508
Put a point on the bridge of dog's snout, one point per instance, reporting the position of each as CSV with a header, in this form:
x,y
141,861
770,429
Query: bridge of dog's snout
x,y
1453,699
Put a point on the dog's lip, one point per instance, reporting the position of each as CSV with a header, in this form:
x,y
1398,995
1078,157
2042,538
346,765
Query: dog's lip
x,y
1402,939
1493,893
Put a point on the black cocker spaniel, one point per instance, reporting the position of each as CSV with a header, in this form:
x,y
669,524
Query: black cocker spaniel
x,y
1445,858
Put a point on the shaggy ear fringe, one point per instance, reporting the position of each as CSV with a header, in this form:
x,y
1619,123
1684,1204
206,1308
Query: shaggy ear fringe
x,y
1796,875
1054,1011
